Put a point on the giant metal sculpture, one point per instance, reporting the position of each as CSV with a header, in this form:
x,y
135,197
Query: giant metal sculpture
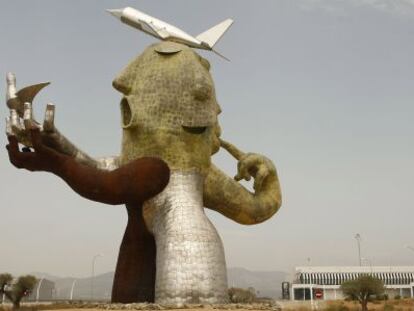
x,y
170,253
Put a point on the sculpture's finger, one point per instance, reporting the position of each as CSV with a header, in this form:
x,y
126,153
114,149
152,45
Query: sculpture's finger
x,y
233,150
261,174
36,139
15,122
11,86
49,121
13,151
17,158
242,171
42,151
13,145
27,116
9,131
248,166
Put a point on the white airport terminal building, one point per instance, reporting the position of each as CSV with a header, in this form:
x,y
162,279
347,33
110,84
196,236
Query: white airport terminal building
x,y
324,282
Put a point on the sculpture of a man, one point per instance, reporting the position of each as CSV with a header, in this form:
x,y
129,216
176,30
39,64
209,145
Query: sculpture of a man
x,y
170,253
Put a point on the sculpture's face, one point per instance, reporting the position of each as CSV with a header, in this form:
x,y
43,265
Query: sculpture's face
x,y
169,108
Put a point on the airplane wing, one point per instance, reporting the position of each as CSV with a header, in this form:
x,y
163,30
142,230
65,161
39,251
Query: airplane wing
x,y
153,29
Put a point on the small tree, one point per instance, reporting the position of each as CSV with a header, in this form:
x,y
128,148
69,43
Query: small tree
x,y
240,295
5,281
16,291
362,289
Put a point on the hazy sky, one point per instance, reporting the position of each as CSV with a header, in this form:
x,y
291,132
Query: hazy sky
x,y
323,88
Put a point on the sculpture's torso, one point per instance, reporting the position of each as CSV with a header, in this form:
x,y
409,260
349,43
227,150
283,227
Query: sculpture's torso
x,y
190,257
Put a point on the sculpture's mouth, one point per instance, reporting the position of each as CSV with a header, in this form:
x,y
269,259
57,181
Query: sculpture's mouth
x,y
126,113
195,130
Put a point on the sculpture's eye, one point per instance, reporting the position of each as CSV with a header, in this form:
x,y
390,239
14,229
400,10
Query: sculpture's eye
x,y
202,91
126,113
195,130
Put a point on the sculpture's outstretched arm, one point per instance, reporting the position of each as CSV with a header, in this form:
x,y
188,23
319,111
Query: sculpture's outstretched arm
x,y
132,183
228,197
51,136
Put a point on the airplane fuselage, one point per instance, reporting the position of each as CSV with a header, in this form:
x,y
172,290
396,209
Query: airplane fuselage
x,y
157,28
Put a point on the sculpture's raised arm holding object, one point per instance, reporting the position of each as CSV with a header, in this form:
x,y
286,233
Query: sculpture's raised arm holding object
x,y
50,134
132,183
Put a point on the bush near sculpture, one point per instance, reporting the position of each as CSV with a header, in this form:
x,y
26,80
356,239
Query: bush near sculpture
x,y
241,295
363,289
15,291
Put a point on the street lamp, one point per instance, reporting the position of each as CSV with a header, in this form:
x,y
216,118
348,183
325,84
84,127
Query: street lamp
x,y
358,238
55,293
38,289
72,289
93,272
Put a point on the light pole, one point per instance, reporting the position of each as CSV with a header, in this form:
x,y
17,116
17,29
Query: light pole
x,y
38,289
55,293
358,238
93,272
72,289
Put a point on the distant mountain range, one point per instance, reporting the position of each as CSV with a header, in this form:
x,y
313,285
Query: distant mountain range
x,y
266,284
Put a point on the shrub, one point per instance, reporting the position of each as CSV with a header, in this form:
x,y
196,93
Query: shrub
x,y
240,295
15,291
382,297
363,289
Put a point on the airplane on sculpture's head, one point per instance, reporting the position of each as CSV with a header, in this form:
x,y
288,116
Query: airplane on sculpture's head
x,y
167,32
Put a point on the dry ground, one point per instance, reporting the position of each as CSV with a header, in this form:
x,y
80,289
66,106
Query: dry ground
x,y
168,309
390,305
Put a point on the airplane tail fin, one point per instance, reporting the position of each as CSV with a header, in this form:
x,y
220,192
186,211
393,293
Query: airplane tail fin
x,y
212,35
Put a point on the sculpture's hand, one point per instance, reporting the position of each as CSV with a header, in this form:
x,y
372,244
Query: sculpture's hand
x,y
251,165
257,166
20,107
233,200
42,158
15,125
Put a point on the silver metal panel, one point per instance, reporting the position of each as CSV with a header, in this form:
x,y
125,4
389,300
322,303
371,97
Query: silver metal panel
x,y
191,266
